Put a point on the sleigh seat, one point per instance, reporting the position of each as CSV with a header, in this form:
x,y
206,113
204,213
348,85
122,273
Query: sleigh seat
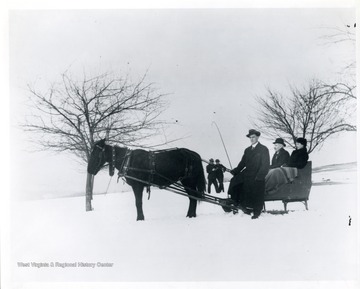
x,y
296,191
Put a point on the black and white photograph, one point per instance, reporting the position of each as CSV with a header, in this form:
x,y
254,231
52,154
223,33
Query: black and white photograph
x,y
199,146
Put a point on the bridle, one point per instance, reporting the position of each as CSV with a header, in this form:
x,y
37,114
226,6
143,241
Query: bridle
x,y
112,163
101,156
102,148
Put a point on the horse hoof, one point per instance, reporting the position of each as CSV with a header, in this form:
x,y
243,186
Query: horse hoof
x,y
140,219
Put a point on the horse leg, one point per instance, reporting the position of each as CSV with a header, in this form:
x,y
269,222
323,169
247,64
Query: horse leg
x,y
193,203
192,208
138,192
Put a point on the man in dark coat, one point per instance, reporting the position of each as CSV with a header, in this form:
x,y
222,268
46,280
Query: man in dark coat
x,y
281,156
220,169
211,170
247,187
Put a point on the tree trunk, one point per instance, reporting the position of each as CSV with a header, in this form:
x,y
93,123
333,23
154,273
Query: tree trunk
x,y
89,191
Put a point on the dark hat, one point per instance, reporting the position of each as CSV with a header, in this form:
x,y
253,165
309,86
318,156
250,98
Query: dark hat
x,y
211,160
217,161
301,140
280,141
253,131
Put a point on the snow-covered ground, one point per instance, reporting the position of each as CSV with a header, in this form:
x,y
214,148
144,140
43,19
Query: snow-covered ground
x,y
315,245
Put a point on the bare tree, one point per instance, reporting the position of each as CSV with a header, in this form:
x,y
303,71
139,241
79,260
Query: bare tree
x,y
314,112
72,115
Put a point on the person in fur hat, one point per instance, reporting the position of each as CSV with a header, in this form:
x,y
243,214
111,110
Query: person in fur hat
x,y
300,156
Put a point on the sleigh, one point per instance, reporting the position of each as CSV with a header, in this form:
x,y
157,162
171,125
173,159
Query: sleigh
x,y
296,191
180,171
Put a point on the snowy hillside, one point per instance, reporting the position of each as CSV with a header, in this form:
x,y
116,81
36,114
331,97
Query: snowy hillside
x,y
318,244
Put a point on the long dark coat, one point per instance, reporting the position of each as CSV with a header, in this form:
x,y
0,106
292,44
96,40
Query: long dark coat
x,y
211,170
220,169
298,158
280,158
256,161
248,184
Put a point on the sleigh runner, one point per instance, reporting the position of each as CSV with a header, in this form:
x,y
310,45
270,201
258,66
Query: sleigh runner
x,y
296,190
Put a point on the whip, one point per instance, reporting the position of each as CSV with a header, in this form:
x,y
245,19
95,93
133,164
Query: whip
x,y
222,143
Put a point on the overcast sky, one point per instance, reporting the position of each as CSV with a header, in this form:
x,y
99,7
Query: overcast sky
x,y
211,62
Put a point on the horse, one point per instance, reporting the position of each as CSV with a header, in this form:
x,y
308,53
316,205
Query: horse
x,y
161,168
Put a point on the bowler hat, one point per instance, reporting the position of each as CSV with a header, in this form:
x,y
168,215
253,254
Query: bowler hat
x,y
253,131
211,160
217,161
280,141
301,140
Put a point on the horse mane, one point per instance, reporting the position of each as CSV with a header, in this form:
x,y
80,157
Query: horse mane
x,y
195,154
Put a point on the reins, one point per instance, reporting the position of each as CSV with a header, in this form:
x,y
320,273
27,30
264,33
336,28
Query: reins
x,y
174,186
183,190
151,171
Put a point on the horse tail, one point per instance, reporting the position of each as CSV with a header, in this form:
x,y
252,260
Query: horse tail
x,y
201,181
196,177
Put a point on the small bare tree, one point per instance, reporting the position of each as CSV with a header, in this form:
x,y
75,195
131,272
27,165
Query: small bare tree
x,y
72,115
315,113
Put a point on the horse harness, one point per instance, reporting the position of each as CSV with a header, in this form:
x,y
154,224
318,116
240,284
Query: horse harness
x,y
112,164
126,166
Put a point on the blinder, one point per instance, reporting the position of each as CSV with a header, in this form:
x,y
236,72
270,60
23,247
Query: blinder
x,y
101,157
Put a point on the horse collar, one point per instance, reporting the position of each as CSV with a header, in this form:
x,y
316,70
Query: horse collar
x,y
125,163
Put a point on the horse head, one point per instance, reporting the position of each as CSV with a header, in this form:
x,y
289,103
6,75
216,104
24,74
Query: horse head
x,y
97,157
